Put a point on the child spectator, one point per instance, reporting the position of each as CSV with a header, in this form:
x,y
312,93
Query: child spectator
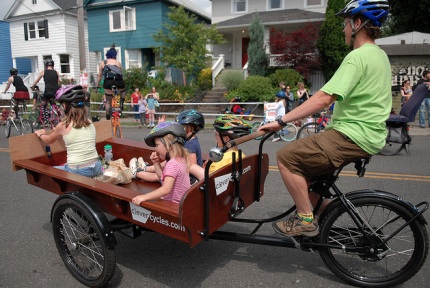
x,y
168,138
150,98
227,127
135,104
78,133
281,97
142,110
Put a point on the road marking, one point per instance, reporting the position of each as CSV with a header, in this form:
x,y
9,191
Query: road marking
x,y
378,175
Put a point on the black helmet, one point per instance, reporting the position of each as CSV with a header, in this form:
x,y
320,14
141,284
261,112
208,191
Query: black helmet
x,y
13,71
164,128
232,126
191,117
71,94
374,10
49,62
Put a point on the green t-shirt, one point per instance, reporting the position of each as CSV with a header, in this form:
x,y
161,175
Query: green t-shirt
x,y
363,86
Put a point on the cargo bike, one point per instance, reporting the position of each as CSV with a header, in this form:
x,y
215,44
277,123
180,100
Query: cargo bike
x,y
367,238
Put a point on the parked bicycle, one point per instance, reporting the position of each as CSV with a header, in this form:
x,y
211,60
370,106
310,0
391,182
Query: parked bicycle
x,y
22,126
288,133
398,137
314,127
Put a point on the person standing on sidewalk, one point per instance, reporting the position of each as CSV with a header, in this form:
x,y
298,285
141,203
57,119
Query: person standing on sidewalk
x,y
135,103
426,102
142,110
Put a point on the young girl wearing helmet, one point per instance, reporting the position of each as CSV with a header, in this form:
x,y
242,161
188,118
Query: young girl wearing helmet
x,y
168,139
78,133
227,127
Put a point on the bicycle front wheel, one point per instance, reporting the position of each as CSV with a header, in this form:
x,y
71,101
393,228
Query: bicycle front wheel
x,y
363,259
288,133
255,126
8,127
26,127
309,129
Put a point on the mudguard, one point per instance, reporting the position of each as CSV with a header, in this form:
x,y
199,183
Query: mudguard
x,y
374,194
107,232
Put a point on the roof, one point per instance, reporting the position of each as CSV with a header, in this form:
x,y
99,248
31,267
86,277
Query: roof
x,y
186,3
66,6
287,16
406,49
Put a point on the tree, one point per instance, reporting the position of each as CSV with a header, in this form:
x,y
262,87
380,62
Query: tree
x,y
408,16
331,43
258,61
183,41
298,49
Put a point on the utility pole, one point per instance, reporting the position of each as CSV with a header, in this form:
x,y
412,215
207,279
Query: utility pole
x,y
81,35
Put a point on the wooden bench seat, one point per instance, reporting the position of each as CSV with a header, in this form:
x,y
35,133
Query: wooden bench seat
x,y
183,221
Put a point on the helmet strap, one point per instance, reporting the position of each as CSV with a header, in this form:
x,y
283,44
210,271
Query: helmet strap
x,y
355,31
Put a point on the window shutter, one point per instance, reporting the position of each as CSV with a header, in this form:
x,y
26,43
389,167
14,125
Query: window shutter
x,y
25,32
46,29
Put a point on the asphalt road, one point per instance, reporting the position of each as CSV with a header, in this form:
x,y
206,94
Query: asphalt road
x,y
29,257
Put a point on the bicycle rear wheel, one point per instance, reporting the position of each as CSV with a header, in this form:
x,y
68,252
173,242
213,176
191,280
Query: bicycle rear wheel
x,y
288,133
391,148
363,259
8,127
309,129
26,127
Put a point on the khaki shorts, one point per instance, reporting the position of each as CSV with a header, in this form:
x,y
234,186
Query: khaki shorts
x,y
320,154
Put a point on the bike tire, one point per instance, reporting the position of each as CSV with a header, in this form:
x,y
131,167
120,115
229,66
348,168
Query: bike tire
x,y
8,127
398,260
309,129
255,126
391,148
80,244
26,127
288,133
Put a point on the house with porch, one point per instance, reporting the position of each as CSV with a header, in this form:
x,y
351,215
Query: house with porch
x,y
129,25
42,29
233,18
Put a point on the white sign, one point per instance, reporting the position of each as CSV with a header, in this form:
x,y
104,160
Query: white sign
x,y
221,183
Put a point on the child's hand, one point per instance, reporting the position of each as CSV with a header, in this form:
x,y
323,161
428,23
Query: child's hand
x,y
138,199
154,158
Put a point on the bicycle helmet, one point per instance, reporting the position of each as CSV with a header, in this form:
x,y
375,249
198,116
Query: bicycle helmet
x,y
191,117
13,71
164,128
374,10
281,94
49,62
232,126
71,94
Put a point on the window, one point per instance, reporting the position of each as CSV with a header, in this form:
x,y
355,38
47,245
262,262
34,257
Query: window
x,y
34,2
275,4
122,20
133,58
314,2
239,6
36,30
64,63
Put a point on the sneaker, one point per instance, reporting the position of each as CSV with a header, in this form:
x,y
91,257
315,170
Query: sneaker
x,y
276,139
142,164
133,166
295,227
422,126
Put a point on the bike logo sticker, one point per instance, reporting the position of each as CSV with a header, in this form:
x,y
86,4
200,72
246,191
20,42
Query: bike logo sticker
x,y
143,215
221,183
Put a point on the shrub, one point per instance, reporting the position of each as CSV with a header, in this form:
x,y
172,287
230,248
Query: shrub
x,y
232,79
204,80
288,76
135,78
255,88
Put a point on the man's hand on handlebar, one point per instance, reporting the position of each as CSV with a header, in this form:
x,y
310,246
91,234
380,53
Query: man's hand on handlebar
x,y
272,126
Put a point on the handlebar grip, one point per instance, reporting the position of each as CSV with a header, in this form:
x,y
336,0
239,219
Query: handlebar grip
x,y
245,138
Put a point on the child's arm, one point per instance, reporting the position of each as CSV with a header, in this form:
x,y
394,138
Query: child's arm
x,y
158,193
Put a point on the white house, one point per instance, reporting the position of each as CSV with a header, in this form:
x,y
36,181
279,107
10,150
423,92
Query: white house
x,y
42,29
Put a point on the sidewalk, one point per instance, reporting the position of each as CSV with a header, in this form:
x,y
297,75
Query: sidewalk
x,y
415,130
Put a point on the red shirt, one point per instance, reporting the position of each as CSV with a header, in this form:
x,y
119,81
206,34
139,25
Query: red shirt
x,y
134,98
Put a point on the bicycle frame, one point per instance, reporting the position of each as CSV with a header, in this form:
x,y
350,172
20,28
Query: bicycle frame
x,y
307,243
